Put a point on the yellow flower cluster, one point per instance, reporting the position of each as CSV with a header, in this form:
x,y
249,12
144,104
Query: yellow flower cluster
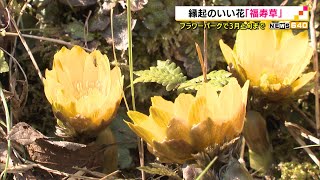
x,y
176,130
272,60
83,91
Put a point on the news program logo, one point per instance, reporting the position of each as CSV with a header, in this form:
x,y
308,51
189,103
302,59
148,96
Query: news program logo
x,y
279,25
289,25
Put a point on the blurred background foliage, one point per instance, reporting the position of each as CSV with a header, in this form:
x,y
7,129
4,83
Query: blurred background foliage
x,y
156,36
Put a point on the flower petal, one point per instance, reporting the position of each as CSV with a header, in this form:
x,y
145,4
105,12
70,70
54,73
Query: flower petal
x,y
141,132
160,157
244,91
293,57
209,133
110,103
89,106
147,123
138,118
237,121
249,48
301,66
116,85
102,62
210,93
303,80
159,102
177,129
51,85
228,53
71,62
283,37
198,112
175,150
63,78
162,118
256,57
90,72
182,105
203,134
231,100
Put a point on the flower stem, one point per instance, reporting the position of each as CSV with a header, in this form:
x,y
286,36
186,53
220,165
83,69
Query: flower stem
x,y
140,141
130,54
207,168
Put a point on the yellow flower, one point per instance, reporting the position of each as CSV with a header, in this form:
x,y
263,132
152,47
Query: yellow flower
x,y
83,91
273,60
176,130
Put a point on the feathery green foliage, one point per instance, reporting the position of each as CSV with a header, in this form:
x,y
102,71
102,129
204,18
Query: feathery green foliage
x,y
166,73
217,78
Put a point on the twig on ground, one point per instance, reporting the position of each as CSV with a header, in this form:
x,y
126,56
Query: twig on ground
x,y
53,171
58,41
30,165
303,132
310,121
78,173
302,143
109,175
94,173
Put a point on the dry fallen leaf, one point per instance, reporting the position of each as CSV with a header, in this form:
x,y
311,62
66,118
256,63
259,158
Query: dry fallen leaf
x,y
57,155
51,154
24,134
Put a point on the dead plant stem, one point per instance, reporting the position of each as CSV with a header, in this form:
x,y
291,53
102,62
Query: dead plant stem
x,y
205,53
315,64
44,39
27,49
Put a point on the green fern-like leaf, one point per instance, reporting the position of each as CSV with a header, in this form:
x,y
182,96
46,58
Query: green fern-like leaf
x,y
217,78
165,73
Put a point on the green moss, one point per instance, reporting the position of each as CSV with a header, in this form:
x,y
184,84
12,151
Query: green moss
x,y
299,171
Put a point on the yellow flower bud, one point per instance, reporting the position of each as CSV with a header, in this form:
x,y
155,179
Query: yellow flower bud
x,y
83,91
176,130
